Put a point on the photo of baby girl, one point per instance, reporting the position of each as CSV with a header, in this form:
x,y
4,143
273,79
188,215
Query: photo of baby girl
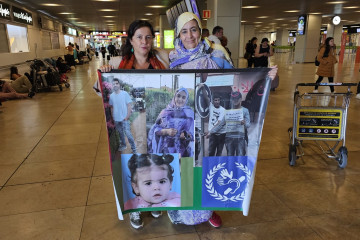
x,y
152,178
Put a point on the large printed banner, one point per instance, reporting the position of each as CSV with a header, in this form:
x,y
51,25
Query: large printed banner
x,y
184,139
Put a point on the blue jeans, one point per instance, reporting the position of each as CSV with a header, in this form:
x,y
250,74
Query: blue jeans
x,y
235,146
123,128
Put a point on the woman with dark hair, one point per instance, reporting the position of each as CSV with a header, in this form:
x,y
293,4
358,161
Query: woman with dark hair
x,y
20,83
7,92
250,51
262,54
327,59
138,53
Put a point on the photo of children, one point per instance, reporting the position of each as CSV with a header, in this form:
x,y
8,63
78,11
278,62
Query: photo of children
x,y
124,103
229,122
171,118
151,180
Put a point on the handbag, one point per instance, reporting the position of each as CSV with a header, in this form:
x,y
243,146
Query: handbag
x,y
247,55
317,63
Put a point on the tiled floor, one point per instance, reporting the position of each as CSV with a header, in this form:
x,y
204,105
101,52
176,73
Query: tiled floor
x,y
55,180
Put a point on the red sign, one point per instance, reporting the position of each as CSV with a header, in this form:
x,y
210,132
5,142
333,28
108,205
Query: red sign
x,y
342,51
206,13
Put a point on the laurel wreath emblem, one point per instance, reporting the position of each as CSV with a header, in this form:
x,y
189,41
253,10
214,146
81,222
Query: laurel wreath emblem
x,y
210,187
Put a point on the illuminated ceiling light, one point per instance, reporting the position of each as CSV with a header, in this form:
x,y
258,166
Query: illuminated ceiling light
x,y
351,7
315,13
279,19
293,20
250,6
355,26
243,21
292,11
73,18
107,10
109,21
336,2
263,17
144,19
108,16
156,6
52,4
258,22
148,14
66,13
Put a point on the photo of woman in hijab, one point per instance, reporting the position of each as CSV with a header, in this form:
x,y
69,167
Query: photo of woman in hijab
x,y
173,131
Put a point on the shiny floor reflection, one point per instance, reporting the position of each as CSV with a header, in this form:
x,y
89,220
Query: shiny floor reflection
x,y
55,180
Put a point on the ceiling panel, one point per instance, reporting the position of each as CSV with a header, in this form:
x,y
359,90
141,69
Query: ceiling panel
x,y
88,16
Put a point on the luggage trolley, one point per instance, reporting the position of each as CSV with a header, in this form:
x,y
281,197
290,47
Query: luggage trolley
x,y
320,117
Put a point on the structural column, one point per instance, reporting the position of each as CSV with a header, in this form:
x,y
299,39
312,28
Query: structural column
x,y
307,45
337,34
282,36
247,32
227,14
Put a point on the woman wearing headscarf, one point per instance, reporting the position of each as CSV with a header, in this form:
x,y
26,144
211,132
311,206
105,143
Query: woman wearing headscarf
x,y
173,130
193,53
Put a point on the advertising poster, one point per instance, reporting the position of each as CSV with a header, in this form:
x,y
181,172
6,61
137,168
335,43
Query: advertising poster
x,y
184,139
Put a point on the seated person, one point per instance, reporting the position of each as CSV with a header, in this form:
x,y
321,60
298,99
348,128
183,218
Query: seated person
x,y
7,92
61,65
20,83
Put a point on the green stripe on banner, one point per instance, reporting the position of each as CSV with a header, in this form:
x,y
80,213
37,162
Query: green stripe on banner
x,y
197,187
187,181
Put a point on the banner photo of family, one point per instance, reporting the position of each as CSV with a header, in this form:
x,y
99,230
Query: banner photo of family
x,y
184,139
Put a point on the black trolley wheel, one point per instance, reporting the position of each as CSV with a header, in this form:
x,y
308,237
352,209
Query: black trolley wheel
x,y
67,85
342,157
292,154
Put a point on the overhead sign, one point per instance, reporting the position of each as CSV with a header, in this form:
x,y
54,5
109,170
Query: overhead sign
x,y
4,10
206,14
22,16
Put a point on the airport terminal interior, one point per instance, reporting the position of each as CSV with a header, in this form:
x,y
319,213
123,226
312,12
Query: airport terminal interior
x,y
56,182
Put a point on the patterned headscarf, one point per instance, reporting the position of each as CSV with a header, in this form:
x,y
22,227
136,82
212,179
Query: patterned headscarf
x,y
200,56
185,18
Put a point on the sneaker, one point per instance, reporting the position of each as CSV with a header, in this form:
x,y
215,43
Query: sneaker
x,y
156,214
215,220
135,220
315,91
358,96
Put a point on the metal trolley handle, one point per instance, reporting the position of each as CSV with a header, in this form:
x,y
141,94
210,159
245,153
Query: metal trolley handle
x,y
349,85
